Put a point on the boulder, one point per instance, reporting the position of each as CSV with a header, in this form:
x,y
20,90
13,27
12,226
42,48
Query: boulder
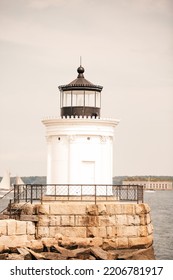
x,y
14,257
36,245
141,242
100,254
24,254
67,243
29,209
81,253
3,248
141,254
35,255
52,256
48,243
110,244
3,256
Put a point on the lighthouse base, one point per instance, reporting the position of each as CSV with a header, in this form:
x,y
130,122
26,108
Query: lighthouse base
x,y
109,225
77,198
84,230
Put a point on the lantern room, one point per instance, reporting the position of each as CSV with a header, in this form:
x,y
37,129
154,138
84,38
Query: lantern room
x,y
80,97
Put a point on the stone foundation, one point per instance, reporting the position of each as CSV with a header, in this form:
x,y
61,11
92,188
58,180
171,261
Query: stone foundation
x,y
109,226
16,233
125,225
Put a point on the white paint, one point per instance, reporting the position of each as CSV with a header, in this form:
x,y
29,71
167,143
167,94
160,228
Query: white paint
x,y
79,152
88,171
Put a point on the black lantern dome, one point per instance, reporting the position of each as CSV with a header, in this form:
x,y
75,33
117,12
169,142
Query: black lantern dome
x,y
80,97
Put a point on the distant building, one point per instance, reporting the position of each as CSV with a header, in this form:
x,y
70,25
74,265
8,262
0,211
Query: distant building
x,y
151,185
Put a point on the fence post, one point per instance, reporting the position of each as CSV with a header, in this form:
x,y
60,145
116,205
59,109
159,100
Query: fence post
x,y
14,195
18,193
120,191
55,191
41,194
31,194
137,190
142,193
95,194
68,190
10,207
26,196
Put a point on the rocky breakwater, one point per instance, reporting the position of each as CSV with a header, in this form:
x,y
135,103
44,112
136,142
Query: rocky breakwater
x,y
82,231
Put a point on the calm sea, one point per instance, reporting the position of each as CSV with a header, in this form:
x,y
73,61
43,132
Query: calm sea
x,y
161,204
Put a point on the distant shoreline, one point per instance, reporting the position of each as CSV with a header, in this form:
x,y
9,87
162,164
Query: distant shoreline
x,y
116,179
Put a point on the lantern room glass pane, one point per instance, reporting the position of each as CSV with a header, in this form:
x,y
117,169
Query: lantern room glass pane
x,y
66,98
90,98
78,98
61,99
98,99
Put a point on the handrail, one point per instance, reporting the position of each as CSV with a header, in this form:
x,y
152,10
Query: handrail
x,y
28,193
82,192
10,200
16,210
7,193
2,197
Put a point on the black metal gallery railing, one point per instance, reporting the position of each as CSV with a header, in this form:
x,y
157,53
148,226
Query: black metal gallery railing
x,y
68,192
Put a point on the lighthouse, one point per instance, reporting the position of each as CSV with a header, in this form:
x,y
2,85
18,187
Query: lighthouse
x,y
80,141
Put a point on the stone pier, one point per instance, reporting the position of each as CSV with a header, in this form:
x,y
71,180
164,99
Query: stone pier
x,y
124,225
109,226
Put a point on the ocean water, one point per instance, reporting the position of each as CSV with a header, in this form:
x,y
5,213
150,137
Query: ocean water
x,y
161,204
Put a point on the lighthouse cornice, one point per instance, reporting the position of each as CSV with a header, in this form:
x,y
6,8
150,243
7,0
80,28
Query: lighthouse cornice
x,y
80,127
49,121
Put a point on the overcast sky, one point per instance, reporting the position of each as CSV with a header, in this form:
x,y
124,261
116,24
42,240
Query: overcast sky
x,y
126,46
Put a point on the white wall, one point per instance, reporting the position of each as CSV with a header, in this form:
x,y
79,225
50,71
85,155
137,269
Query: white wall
x,y
79,152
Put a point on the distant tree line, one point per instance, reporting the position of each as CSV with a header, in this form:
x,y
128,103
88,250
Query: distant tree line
x,y
31,180
119,179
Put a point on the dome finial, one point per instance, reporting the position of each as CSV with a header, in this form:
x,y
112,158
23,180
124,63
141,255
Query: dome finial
x,y
80,69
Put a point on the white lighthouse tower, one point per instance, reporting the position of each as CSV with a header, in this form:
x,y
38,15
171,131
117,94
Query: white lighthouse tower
x,y
80,142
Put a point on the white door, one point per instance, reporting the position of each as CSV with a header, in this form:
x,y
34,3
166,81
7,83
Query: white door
x,y
88,177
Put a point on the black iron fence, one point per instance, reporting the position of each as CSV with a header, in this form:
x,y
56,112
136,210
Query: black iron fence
x,y
76,192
